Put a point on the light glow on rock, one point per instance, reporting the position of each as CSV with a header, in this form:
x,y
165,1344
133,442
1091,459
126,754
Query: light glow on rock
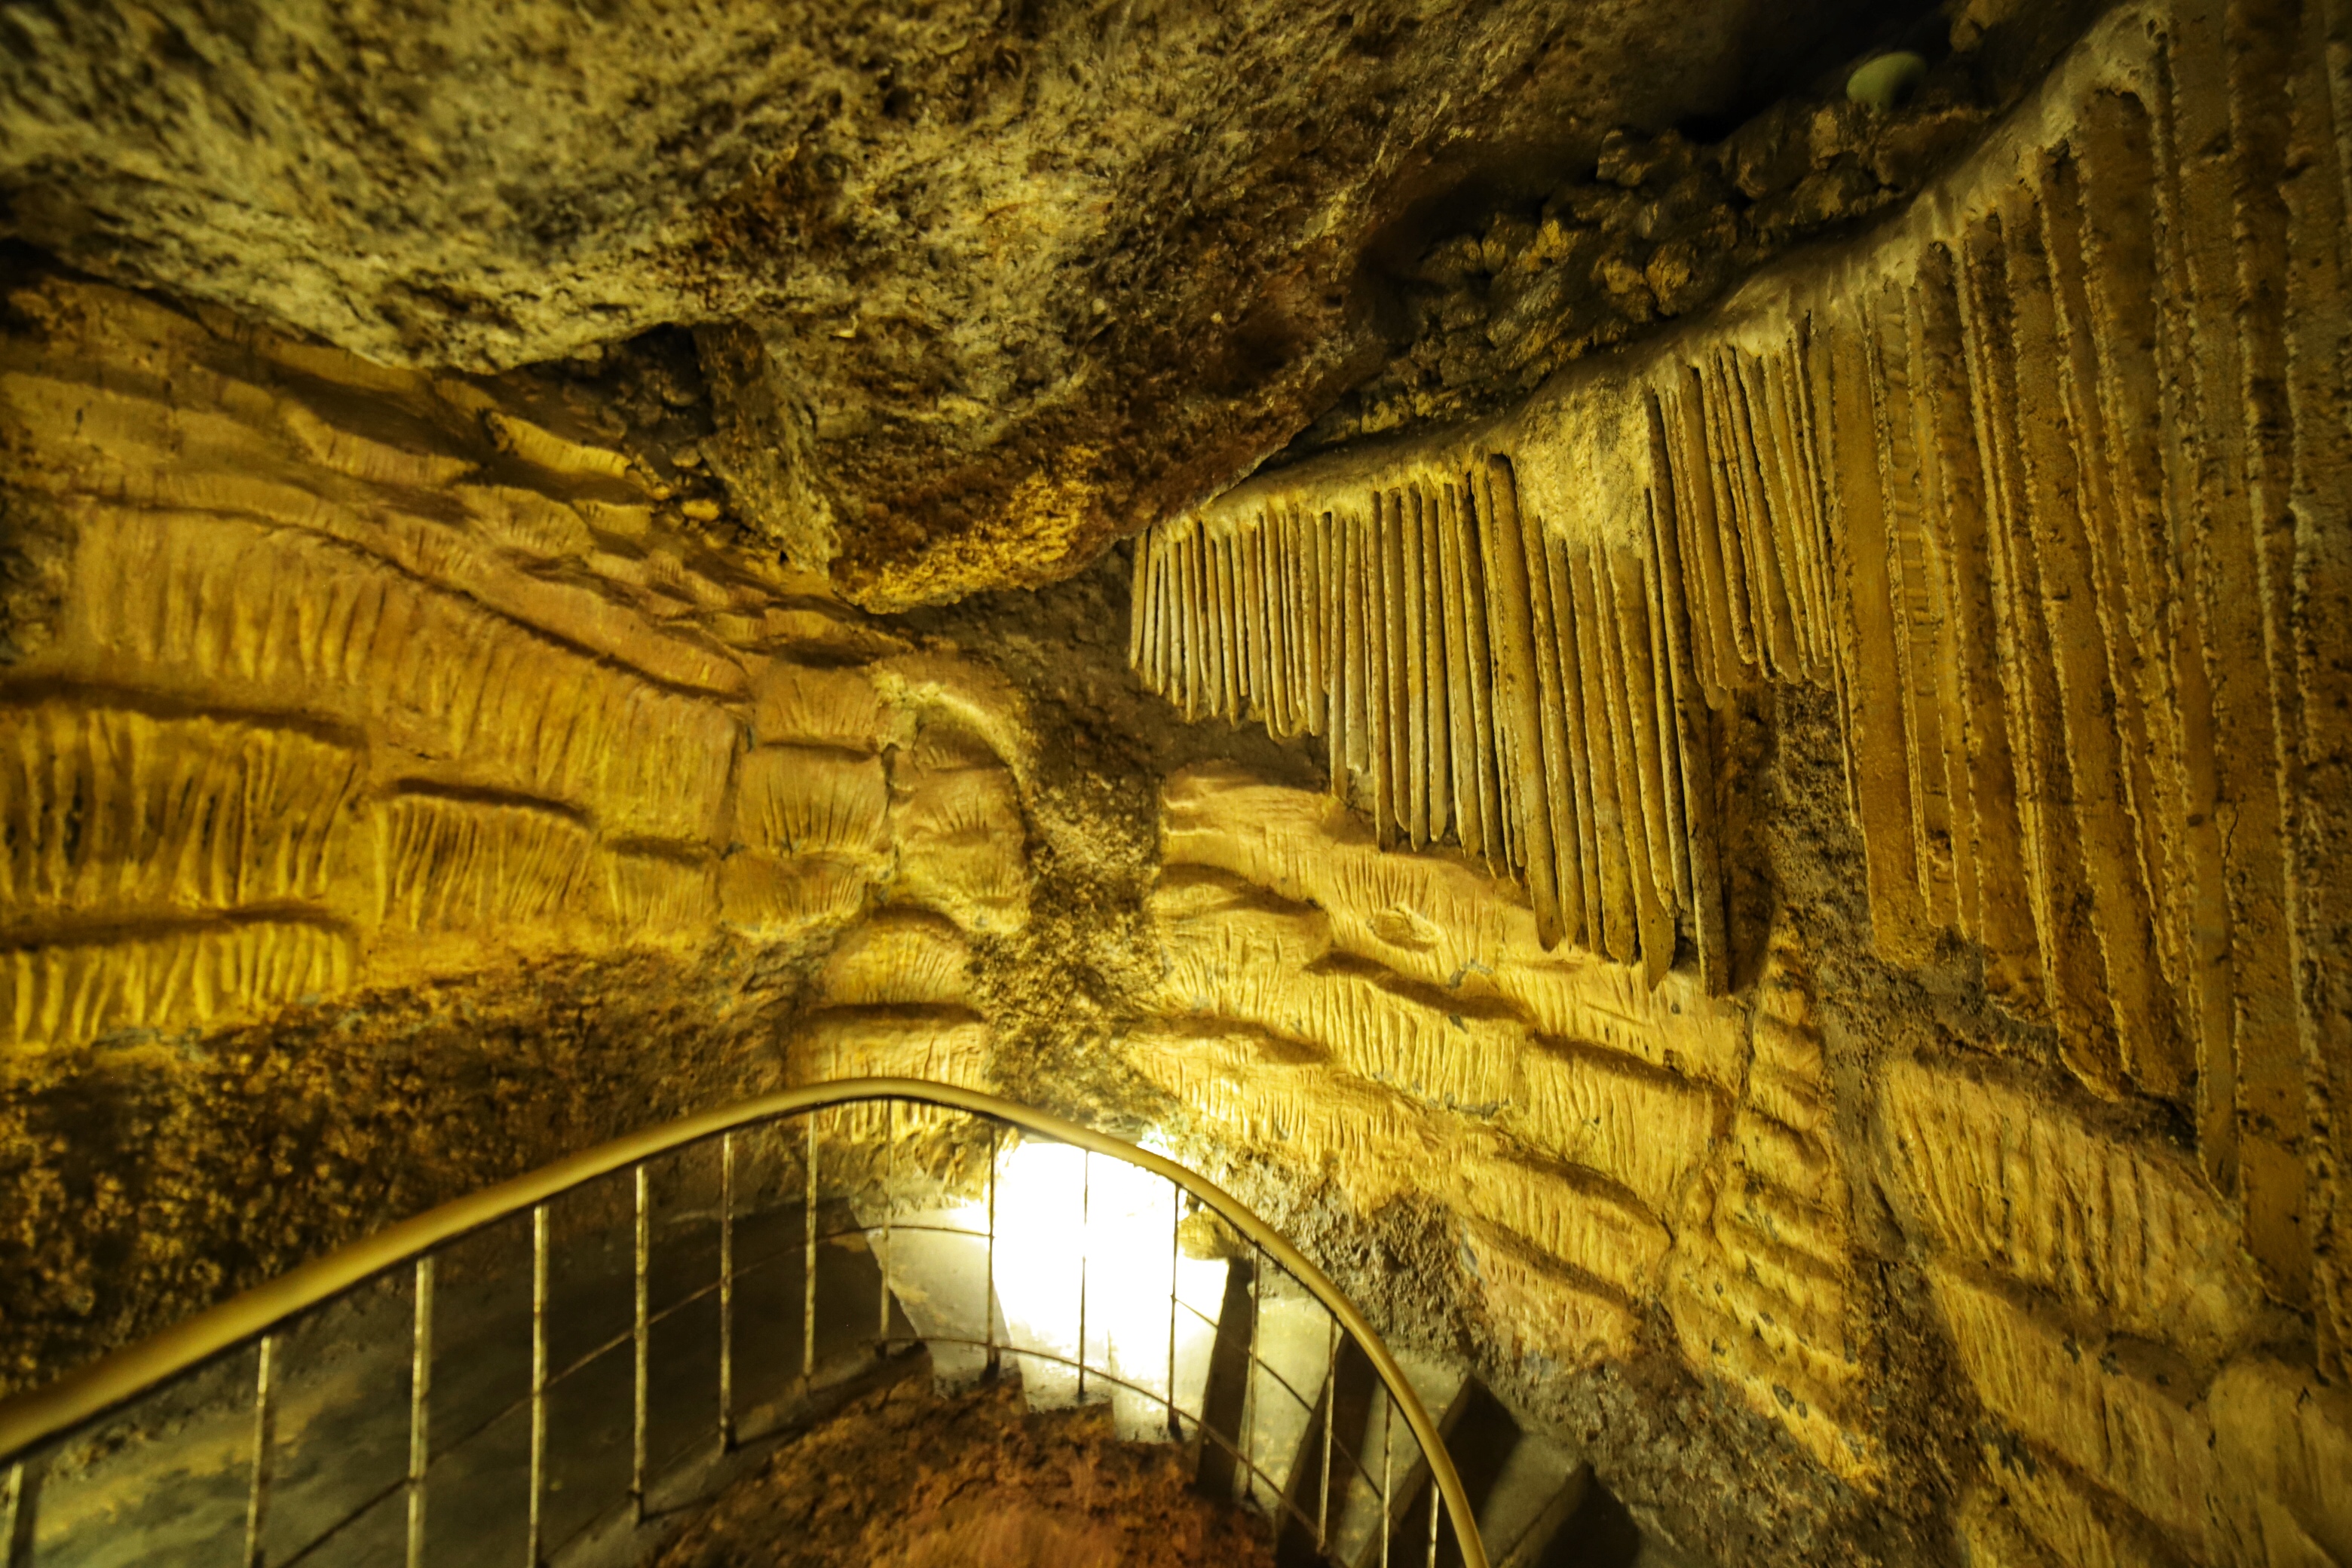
x,y
1086,1260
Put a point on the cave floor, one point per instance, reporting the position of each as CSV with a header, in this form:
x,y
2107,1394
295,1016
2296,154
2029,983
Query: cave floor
x,y
913,1479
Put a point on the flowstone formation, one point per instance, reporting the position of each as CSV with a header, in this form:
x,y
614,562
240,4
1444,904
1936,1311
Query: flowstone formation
x,y
2035,497
336,690
1764,869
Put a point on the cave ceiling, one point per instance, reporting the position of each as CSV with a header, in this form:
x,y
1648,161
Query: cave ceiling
x,y
987,285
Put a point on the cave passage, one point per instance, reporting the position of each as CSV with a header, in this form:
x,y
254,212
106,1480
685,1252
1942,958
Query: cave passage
x,y
1668,679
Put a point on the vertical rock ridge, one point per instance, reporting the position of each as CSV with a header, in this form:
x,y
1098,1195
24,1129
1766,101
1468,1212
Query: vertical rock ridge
x,y
1491,684
2044,479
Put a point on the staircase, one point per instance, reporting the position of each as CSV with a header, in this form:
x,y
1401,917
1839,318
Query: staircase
x,y
1309,1435
555,1374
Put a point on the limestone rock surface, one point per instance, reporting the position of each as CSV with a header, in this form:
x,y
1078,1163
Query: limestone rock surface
x,y
991,283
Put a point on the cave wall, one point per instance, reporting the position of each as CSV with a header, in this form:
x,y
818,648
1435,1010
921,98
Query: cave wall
x,y
1823,983
403,784
1891,1246
1917,683
411,778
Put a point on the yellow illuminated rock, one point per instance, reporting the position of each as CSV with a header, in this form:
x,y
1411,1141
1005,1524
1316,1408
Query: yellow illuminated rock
x,y
2126,1232
362,676
1395,1033
1762,1288
1769,872
1991,481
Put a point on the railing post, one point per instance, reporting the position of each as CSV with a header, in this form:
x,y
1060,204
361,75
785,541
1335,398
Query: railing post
x,y
1436,1506
642,1337
889,1171
1388,1471
808,1263
1086,1245
1175,1250
537,1381
727,1292
1249,1379
420,1394
19,1505
265,1424
1330,1419
988,1299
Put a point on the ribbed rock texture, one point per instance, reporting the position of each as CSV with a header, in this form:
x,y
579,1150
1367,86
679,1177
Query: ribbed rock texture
x,y
1607,1145
1996,482
1488,684
1792,909
360,672
2041,486
364,702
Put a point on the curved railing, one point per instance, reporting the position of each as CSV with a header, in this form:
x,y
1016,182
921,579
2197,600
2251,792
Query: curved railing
x,y
390,1398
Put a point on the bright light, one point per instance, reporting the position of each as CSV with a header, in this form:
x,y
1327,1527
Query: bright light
x,y
1073,1226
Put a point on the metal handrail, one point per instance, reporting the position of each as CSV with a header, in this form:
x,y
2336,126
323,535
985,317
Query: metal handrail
x,y
30,1419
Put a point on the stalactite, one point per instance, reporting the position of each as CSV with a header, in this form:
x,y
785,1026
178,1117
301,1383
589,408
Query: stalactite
x,y
2046,485
1479,681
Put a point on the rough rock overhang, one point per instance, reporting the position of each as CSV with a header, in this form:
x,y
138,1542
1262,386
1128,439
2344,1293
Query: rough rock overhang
x,y
998,283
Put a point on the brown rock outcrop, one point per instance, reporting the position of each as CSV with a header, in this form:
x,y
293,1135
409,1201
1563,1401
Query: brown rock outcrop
x,y
957,264
905,1478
